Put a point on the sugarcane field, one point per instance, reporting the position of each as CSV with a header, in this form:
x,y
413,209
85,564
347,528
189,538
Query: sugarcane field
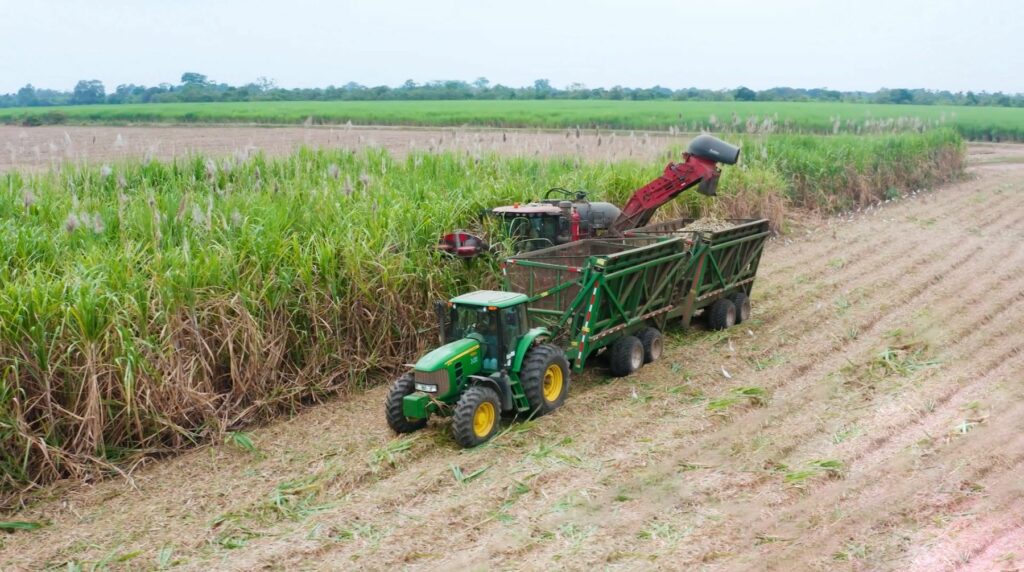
x,y
510,323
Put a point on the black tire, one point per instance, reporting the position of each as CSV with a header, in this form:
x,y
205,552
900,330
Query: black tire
x,y
477,416
742,303
543,391
653,343
397,420
722,314
626,356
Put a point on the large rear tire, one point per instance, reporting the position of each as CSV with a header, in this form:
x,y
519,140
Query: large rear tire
x,y
722,314
626,356
653,343
397,420
742,303
545,378
476,416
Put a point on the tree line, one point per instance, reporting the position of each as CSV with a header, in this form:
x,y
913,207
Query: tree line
x,y
196,87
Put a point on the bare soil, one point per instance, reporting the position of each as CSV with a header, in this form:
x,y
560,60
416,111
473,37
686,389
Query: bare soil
x,y
867,418
47,146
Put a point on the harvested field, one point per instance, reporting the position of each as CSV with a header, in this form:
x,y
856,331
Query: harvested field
x,y
980,123
44,147
868,418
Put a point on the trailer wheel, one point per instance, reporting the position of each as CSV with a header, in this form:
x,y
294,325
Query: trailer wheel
x,y
653,343
722,314
742,303
476,416
627,356
545,378
397,420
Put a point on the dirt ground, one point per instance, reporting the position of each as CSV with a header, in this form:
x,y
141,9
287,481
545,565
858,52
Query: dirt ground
x,y
43,147
866,418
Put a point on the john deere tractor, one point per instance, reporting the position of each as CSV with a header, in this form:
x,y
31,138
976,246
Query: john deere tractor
x,y
491,362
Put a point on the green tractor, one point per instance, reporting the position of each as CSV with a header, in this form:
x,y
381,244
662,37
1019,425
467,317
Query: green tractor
x,y
491,362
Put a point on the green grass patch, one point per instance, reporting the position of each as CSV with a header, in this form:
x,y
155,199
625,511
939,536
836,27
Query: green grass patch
x,y
740,395
980,123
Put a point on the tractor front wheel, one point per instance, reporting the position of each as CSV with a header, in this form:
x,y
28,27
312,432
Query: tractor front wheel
x,y
397,420
476,416
545,378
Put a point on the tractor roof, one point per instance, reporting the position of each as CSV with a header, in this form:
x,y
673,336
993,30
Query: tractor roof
x,y
490,298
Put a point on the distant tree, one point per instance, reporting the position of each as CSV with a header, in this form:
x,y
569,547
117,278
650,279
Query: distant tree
x,y
265,84
542,88
577,90
26,96
193,78
88,91
198,87
744,94
901,95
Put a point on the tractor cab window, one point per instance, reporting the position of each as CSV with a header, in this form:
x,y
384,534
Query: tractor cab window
x,y
477,322
513,323
497,330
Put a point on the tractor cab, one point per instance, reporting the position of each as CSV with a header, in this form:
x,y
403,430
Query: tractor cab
x,y
494,319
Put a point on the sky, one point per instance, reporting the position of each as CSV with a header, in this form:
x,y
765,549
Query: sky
x,y
866,45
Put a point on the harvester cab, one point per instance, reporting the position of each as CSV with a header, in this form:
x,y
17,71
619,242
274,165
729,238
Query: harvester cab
x,y
561,216
555,220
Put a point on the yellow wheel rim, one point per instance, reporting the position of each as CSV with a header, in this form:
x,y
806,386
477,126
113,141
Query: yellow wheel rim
x,y
483,419
552,382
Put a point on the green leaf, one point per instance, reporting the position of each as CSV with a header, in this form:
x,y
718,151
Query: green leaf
x,y
16,525
241,440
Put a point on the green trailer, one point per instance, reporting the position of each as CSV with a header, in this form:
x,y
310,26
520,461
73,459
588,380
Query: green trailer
x,y
513,351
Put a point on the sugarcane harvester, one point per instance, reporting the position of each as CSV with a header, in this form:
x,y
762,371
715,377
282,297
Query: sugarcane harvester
x,y
568,216
513,351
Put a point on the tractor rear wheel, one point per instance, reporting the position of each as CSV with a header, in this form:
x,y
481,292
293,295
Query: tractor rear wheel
x,y
742,303
397,420
476,416
722,314
653,343
545,378
627,356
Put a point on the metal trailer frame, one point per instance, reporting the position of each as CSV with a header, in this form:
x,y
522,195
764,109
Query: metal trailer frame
x,y
592,292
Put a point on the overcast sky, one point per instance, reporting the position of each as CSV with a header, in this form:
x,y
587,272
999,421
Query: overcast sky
x,y
864,45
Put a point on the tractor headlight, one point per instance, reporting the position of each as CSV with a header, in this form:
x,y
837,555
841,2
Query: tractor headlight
x,y
429,388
